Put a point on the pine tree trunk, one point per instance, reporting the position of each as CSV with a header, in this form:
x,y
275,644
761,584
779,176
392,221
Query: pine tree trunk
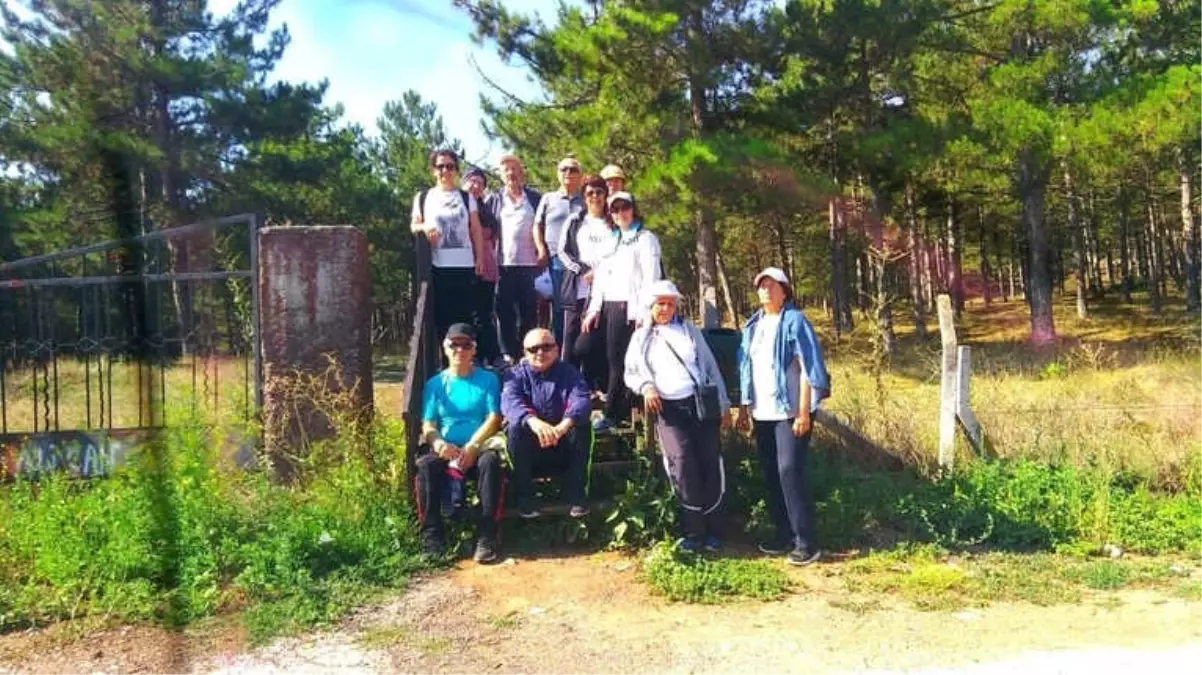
x,y
917,301
839,301
1001,283
928,268
726,294
1124,244
1093,248
1153,257
1032,186
986,288
955,272
1077,228
880,256
707,240
1189,236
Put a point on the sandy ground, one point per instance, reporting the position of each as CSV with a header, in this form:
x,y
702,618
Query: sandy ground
x,y
590,614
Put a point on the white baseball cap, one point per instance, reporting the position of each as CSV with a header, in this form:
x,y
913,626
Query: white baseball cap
x,y
774,273
661,289
619,196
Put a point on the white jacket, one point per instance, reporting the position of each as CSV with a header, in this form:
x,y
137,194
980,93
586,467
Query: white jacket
x,y
629,267
640,372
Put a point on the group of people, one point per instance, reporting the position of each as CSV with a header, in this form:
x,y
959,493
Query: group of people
x,y
621,331
585,241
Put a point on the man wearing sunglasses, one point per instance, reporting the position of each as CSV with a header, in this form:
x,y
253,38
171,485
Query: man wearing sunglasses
x,y
553,212
460,420
546,405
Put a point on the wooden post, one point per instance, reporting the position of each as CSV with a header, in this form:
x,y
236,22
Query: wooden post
x,y
947,388
972,428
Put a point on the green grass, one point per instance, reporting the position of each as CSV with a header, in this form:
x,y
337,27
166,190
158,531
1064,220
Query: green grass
x,y
931,578
175,537
689,577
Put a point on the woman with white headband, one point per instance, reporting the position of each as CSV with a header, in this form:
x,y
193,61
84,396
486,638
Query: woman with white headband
x,y
670,365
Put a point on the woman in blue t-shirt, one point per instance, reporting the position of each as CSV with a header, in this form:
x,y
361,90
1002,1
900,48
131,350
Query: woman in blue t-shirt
x,y
461,415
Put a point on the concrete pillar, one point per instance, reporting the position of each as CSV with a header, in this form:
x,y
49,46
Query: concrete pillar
x,y
315,332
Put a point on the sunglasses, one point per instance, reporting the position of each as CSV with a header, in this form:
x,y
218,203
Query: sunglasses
x,y
569,169
445,167
460,345
544,347
621,206
595,193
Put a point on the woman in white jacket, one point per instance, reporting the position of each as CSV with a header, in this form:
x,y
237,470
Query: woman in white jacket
x,y
671,366
615,302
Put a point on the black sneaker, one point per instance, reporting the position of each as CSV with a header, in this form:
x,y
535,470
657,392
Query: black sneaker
x,y
775,546
432,545
486,551
803,556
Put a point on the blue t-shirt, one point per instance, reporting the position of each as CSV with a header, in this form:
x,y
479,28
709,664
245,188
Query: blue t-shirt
x,y
459,405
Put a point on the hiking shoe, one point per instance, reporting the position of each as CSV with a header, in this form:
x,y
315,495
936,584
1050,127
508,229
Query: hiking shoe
x,y
691,543
528,511
774,546
602,425
579,511
433,546
486,551
711,544
803,556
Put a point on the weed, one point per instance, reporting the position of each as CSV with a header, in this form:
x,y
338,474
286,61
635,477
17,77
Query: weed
x,y
503,621
1189,590
384,637
1102,575
688,577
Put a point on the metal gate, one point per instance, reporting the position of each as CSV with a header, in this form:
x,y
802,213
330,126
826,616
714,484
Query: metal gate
x,y
101,344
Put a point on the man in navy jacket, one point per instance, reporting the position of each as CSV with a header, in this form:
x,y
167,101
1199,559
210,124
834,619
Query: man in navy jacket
x,y
545,402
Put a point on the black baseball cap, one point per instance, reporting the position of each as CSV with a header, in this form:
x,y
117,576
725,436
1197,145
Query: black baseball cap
x,y
461,330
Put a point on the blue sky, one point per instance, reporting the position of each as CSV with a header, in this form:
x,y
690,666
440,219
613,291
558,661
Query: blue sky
x,y
371,51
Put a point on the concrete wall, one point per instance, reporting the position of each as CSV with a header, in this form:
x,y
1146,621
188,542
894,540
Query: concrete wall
x,y
315,330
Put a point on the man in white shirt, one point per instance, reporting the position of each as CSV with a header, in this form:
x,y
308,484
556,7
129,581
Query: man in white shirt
x,y
522,256
447,216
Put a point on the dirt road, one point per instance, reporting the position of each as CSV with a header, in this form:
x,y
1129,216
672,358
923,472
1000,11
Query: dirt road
x,y
590,614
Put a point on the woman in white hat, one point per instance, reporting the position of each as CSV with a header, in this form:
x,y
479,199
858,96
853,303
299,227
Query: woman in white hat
x,y
783,378
615,301
670,365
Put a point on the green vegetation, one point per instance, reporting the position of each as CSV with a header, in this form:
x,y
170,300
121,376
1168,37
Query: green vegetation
x,y
178,535
690,577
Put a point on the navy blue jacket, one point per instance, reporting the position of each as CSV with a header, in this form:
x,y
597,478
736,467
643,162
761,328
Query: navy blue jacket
x,y
552,395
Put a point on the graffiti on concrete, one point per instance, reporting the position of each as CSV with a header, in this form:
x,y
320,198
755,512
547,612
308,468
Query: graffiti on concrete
x,y
82,454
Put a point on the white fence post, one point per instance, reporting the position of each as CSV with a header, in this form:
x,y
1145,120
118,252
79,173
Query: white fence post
x,y
948,385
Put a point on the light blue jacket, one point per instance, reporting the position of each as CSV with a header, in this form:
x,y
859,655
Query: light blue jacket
x,y
796,338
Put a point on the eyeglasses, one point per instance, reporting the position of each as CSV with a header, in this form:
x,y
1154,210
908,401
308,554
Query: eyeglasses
x,y
445,167
569,169
544,347
459,345
620,207
594,193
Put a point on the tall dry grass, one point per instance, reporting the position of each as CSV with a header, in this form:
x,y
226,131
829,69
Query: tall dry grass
x,y
1122,390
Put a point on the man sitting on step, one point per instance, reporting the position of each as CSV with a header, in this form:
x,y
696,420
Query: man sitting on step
x,y
460,420
545,402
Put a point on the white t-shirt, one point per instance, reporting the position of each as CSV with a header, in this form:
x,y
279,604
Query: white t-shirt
x,y
673,381
763,372
444,211
593,241
517,231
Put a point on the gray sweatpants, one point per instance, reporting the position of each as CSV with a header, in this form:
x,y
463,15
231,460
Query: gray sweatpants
x,y
694,464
